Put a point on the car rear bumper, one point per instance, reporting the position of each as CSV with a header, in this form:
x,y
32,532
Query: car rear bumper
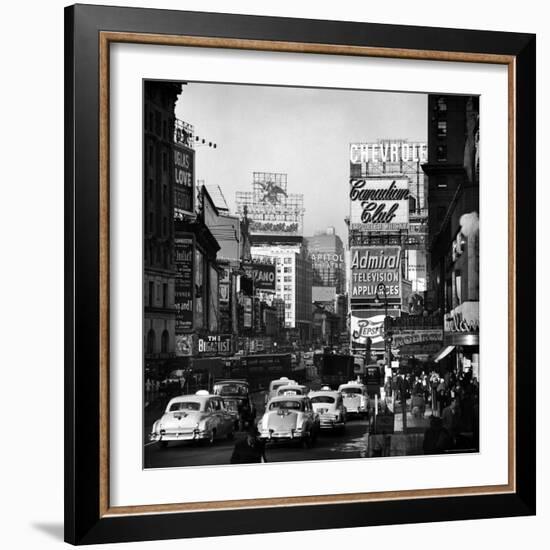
x,y
193,435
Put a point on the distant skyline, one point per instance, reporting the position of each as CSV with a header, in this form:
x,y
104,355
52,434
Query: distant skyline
x,y
303,132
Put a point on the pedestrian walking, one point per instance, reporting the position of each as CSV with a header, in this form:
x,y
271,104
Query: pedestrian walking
x,y
451,419
249,450
437,439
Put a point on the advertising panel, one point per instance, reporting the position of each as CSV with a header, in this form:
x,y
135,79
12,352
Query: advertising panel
x,y
184,345
270,209
416,336
262,274
369,324
379,204
184,180
219,344
371,266
184,283
388,152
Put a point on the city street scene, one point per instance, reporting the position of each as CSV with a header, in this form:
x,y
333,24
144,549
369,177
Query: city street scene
x,y
311,274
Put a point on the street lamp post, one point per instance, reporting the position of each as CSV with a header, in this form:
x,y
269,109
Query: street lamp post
x,y
381,288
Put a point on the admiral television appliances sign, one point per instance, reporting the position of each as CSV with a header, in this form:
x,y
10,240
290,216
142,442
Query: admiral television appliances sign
x,y
372,266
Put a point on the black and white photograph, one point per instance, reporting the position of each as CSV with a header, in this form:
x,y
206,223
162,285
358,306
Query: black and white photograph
x,y
310,274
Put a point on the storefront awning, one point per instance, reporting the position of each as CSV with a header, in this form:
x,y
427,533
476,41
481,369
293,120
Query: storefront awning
x,y
443,352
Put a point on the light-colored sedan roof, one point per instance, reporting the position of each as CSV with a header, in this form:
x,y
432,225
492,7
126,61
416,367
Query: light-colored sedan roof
x,y
331,393
289,398
191,397
290,387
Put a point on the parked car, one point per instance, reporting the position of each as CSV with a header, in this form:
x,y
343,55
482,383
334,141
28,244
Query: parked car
x,y
329,405
274,385
197,417
290,418
355,397
236,397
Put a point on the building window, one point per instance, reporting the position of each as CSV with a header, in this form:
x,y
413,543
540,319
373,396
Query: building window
x,y
165,161
164,341
288,279
288,260
165,194
164,226
441,153
151,341
164,295
441,128
288,305
165,129
442,105
288,270
151,294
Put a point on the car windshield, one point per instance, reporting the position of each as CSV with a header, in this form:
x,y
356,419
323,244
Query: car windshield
x,y
277,386
322,399
230,389
185,406
352,390
293,405
231,404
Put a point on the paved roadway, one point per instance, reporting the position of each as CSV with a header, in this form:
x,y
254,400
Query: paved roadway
x,y
351,444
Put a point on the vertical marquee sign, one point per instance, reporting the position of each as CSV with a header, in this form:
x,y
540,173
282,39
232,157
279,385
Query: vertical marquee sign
x,y
184,180
184,246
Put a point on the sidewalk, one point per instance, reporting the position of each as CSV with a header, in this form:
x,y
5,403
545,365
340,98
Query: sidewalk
x,y
414,425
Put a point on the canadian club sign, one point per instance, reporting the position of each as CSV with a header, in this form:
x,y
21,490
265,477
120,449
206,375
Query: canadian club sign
x,y
372,266
379,204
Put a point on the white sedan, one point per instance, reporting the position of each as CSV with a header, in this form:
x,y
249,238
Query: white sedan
x,y
198,417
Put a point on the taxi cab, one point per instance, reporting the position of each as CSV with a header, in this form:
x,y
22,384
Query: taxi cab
x,y
355,397
290,418
274,385
197,417
292,389
329,405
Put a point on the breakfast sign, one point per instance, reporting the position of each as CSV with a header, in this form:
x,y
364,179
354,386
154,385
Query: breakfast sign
x,y
379,204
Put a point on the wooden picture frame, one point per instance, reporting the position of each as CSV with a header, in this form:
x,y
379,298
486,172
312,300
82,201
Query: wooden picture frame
x,y
89,32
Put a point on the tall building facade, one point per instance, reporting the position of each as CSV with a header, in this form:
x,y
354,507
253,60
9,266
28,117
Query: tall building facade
x,y
453,175
293,283
326,252
387,236
275,218
158,227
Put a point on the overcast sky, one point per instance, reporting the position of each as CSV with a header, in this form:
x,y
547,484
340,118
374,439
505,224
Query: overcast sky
x,y
302,132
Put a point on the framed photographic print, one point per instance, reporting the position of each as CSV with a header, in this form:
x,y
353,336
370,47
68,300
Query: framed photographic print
x,y
299,267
